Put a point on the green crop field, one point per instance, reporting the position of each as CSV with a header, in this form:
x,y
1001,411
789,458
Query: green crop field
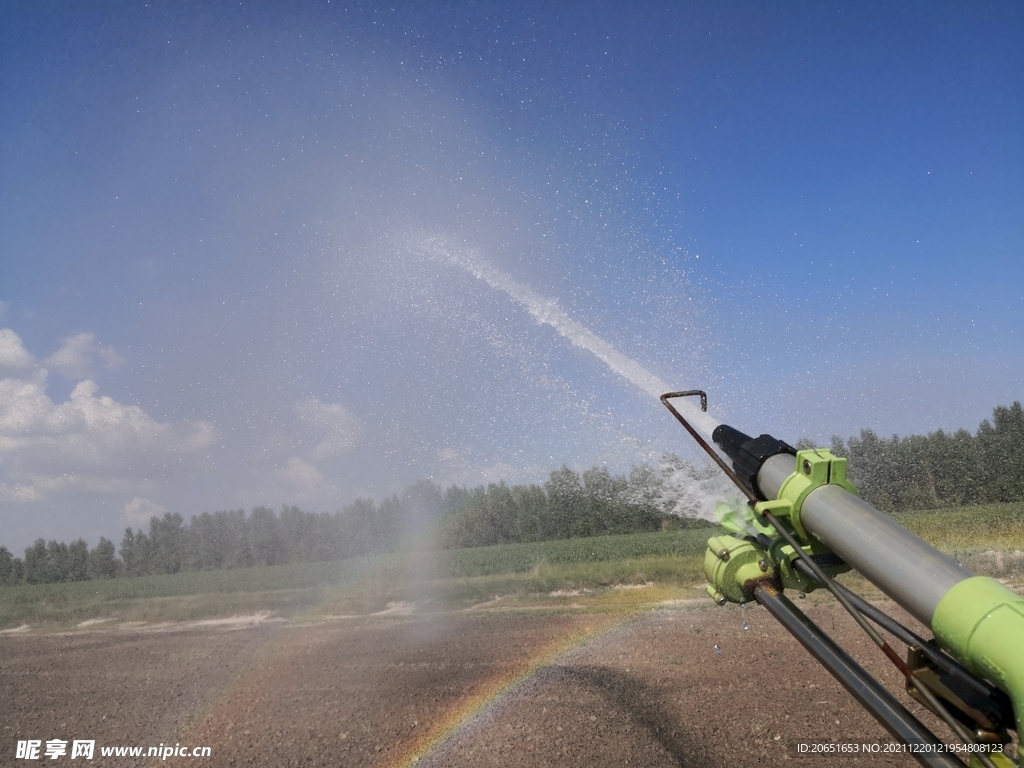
x,y
989,539
992,526
517,558
365,584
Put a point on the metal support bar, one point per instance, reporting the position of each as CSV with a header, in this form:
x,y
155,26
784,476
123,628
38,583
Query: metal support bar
x,y
948,664
882,705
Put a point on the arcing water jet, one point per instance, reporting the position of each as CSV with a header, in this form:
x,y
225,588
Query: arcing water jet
x,y
547,312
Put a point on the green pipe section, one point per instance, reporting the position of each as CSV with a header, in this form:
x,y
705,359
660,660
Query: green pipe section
x,y
982,623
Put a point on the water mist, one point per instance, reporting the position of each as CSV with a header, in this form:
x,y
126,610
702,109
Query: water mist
x,y
547,312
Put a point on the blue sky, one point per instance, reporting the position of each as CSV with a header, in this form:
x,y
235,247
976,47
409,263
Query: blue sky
x,y
216,291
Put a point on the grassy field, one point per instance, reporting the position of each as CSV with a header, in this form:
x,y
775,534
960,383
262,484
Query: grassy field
x,y
449,578
993,526
988,539
519,558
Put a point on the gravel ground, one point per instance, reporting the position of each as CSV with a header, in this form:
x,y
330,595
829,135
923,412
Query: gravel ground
x,y
472,688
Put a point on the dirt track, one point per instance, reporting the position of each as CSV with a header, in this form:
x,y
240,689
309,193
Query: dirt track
x,y
529,689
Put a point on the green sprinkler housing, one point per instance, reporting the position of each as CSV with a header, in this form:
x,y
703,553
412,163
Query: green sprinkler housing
x,y
976,619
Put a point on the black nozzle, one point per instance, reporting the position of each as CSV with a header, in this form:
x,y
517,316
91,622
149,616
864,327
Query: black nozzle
x,y
748,453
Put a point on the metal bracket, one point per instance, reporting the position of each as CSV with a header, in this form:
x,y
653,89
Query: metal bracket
x,y
814,468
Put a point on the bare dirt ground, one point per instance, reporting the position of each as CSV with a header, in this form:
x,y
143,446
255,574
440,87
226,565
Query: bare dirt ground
x,y
472,688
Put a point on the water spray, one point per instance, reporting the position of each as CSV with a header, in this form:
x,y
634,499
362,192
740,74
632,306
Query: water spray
x,y
546,311
804,525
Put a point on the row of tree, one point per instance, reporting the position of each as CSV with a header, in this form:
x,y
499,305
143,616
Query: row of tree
x,y
567,505
56,561
919,472
572,505
940,469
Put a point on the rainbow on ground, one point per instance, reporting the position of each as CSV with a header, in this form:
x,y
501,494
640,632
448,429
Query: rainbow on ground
x,y
498,689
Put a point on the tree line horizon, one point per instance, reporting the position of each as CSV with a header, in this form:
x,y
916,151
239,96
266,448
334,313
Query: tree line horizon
x,y
895,474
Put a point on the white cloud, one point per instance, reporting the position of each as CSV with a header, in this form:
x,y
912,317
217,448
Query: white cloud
x,y
88,443
111,358
295,482
456,469
13,355
337,429
75,358
40,487
138,511
288,468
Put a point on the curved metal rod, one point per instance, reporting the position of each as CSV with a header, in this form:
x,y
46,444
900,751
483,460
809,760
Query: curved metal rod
x,y
700,440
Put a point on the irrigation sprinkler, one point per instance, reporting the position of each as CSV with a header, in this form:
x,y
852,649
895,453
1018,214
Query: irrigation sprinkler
x,y
804,525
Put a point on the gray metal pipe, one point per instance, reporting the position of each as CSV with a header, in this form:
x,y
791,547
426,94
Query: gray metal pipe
x,y
906,568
